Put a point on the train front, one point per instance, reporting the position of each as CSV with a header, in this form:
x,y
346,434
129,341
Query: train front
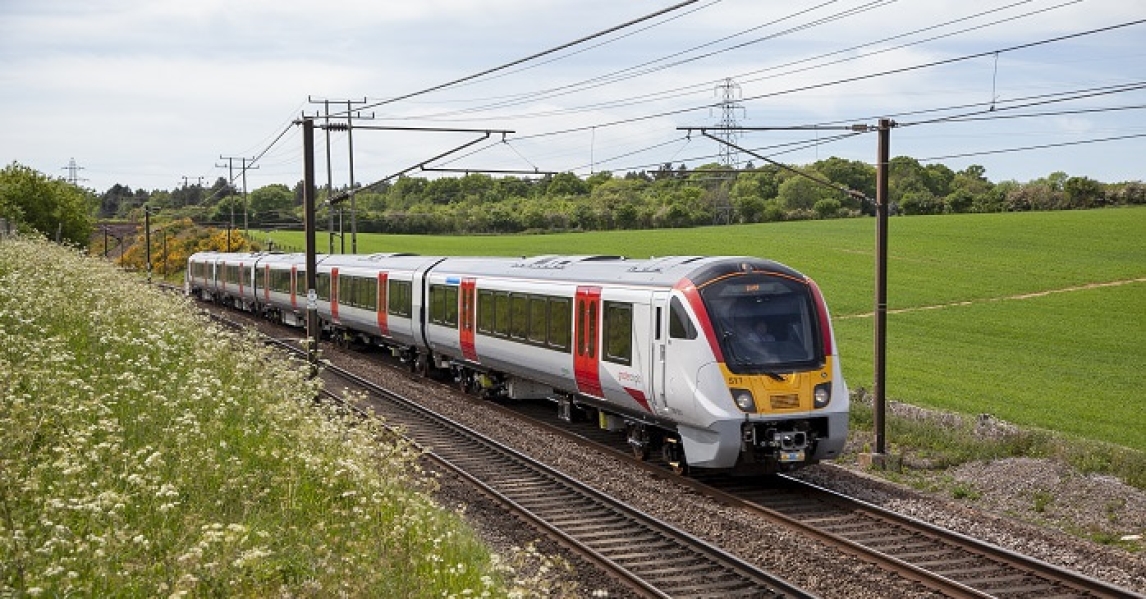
x,y
776,379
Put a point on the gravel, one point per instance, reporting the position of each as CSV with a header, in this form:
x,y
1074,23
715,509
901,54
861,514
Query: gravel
x,y
1035,507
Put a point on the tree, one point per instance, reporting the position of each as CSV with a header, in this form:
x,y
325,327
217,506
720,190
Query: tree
x,y
683,207
1083,192
762,183
406,192
800,193
110,200
510,187
188,195
445,190
970,191
566,184
598,178
852,174
920,202
222,189
616,203
271,202
1129,192
1035,195
54,207
827,208
906,175
476,187
939,179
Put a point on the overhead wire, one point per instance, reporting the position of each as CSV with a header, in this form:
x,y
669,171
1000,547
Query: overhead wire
x,y
1034,147
1052,97
540,63
819,85
525,59
1112,89
647,67
688,90
508,65
845,80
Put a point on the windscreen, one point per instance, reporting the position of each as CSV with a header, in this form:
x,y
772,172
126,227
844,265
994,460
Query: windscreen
x,y
764,323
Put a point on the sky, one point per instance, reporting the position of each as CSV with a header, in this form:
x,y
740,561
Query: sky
x,y
155,94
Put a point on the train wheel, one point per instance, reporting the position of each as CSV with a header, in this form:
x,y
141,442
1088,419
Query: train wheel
x,y
410,359
673,455
639,441
641,453
422,365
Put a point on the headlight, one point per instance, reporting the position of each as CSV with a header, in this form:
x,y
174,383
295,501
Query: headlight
x,y
822,395
744,400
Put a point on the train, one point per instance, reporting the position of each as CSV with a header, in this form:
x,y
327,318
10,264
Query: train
x,y
720,363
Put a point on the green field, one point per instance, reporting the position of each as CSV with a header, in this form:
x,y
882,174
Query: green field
x,y
961,336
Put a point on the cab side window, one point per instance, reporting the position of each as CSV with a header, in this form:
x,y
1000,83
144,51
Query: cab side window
x,y
680,325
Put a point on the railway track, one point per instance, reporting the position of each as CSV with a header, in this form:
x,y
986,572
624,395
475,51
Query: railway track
x,y
649,556
915,547
943,561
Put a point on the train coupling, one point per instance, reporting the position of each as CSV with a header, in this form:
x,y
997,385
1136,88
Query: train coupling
x,y
785,441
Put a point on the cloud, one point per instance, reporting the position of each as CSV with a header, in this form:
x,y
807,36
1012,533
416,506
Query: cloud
x,y
144,92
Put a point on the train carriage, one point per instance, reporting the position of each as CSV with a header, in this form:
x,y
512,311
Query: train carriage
x,y
225,277
235,280
718,362
275,288
200,275
656,345
376,298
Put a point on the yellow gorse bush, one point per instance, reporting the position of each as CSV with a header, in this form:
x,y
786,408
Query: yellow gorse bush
x,y
145,452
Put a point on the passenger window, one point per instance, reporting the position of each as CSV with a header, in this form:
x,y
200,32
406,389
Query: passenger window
x,y
538,319
559,321
519,316
680,325
322,286
451,306
485,311
619,332
501,314
399,301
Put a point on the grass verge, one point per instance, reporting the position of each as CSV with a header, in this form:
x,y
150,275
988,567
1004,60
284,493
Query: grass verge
x,y
144,452
929,440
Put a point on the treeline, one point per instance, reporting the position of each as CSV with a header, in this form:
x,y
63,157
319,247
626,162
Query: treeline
x,y
665,198
481,204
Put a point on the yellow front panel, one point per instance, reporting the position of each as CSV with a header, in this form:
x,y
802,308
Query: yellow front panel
x,y
793,394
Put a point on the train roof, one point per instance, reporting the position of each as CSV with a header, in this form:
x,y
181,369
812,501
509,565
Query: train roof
x,y
588,268
664,270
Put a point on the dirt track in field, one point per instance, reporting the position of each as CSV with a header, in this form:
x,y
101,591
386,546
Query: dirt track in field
x,y
1000,299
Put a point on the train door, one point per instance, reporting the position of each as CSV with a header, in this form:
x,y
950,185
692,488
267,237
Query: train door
x,y
334,295
659,328
467,318
383,304
267,283
684,352
586,357
294,286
